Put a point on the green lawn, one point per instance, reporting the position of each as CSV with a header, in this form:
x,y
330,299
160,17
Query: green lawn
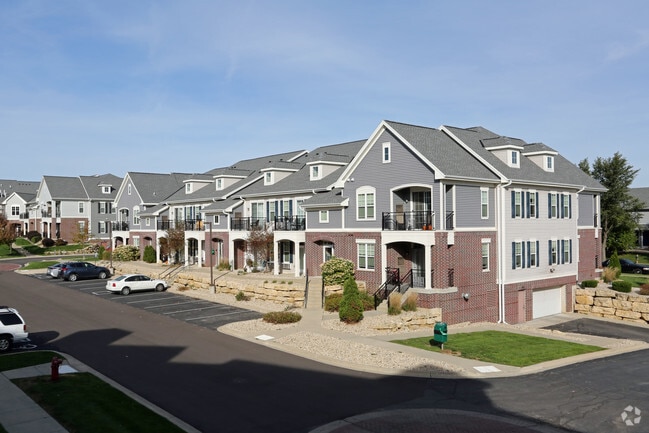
x,y
505,348
81,402
635,279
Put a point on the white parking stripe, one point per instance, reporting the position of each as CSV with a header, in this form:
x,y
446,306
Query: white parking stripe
x,y
193,309
171,305
215,315
154,300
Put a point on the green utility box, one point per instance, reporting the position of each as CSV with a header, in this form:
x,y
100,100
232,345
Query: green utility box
x,y
440,332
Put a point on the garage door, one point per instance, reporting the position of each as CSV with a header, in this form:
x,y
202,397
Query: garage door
x,y
546,302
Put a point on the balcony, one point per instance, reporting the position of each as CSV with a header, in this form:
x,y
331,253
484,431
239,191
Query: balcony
x,y
46,214
194,225
24,216
247,223
292,223
119,226
411,220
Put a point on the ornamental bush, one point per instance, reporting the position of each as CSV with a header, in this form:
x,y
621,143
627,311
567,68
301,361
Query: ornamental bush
x,y
281,317
34,236
336,271
48,242
621,286
351,305
126,253
149,254
589,283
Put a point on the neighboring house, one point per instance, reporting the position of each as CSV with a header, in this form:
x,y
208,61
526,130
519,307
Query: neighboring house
x,y
15,197
642,194
137,194
64,206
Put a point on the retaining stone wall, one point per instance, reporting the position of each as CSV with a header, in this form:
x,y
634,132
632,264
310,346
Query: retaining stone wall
x,y
603,302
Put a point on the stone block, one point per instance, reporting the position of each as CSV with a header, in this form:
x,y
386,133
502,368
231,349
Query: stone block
x,y
623,305
582,308
640,307
628,314
584,299
603,302
603,310
605,293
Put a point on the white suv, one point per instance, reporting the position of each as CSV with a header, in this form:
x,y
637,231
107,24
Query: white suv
x,y
12,328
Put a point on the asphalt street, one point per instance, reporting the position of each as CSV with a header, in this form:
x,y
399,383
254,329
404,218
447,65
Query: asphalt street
x,y
220,384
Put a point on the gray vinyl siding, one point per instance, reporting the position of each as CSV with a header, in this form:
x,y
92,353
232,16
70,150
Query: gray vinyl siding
x,y
404,169
586,210
468,210
313,220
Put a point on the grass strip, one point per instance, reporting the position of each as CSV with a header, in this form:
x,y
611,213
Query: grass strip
x,y
82,403
501,347
12,361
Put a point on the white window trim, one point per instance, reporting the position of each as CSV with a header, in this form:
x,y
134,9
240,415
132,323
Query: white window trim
x,y
216,219
188,188
536,254
365,242
484,190
486,242
325,214
315,173
548,163
518,212
384,147
81,207
518,244
510,154
364,190
105,189
219,184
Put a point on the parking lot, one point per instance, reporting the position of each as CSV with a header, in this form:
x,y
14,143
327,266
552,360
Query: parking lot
x,y
197,311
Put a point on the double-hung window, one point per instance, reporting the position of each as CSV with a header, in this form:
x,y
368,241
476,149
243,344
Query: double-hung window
x,y
484,203
553,246
485,254
553,205
517,204
365,255
365,203
517,255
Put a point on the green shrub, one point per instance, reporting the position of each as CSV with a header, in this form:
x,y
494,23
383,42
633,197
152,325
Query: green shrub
x,y
351,305
336,271
34,236
48,242
614,262
282,317
126,253
105,255
332,302
589,283
410,304
621,286
240,296
149,254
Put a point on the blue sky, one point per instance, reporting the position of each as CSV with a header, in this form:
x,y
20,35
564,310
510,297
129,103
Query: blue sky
x,y
92,87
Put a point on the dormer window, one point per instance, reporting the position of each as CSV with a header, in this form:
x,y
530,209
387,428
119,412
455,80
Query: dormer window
x,y
315,172
105,189
514,158
188,188
549,163
268,178
219,184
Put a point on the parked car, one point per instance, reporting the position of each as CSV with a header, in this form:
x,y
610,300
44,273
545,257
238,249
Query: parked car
x,y
631,267
12,328
55,270
128,283
74,271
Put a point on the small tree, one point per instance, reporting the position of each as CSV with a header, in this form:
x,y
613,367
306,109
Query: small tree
x,y
149,254
260,243
82,235
614,262
351,305
176,238
7,234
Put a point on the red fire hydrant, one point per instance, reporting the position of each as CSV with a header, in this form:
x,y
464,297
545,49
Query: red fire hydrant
x,y
56,362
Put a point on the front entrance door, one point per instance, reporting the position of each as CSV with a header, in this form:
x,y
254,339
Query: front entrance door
x,y
418,267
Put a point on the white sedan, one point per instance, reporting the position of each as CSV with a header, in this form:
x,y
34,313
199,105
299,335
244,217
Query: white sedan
x,y
128,283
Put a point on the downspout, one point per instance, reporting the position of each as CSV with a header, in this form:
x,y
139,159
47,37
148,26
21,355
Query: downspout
x,y
501,246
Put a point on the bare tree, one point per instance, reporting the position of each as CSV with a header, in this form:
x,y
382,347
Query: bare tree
x,y
260,243
176,239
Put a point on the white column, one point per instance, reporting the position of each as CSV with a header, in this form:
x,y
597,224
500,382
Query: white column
x,y
296,248
278,261
427,260
186,251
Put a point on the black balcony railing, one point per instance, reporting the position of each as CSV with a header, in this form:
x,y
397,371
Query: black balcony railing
x,y
194,224
46,214
292,223
411,220
24,215
165,225
119,226
247,223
